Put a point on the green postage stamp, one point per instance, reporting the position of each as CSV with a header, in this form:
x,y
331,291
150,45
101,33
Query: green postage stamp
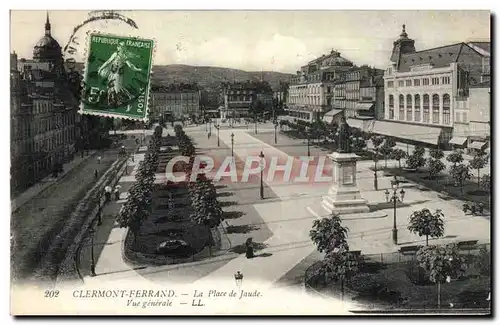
x,y
116,81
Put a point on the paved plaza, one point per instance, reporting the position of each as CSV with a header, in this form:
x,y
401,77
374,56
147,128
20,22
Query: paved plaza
x,y
285,217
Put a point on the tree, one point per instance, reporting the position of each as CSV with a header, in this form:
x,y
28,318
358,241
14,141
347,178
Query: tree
x,y
435,166
341,265
455,157
132,215
256,110
486,183
478,162
387,148
376,141
398,154
328,233
436,153
358,144
460,174
442,263
425,223
416,160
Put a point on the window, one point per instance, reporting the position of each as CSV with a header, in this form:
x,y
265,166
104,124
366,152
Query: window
x,y
417,108
416,82
445,80
435,81
401,83
435,109
409,112
401,107
426,108
391,107
464,117
446,109
408,83
425,81
457,116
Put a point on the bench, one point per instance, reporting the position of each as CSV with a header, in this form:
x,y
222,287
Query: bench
x,y
467,244
409,250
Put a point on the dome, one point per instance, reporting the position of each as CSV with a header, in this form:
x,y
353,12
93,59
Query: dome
x,y
47,48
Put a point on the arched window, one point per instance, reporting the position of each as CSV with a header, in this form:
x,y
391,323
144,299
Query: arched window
x,y
426,108
435,109
446,109
391,107
401,107
409,108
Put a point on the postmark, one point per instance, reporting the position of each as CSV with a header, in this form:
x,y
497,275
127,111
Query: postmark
x,y
116,80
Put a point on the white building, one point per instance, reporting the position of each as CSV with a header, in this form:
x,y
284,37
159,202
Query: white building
x,y
423,89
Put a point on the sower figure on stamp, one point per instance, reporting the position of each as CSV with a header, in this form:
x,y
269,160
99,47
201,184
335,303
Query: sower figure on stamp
x,y
344,137
113,71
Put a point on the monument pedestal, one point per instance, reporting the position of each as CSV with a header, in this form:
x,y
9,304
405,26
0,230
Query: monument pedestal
x,y
344,196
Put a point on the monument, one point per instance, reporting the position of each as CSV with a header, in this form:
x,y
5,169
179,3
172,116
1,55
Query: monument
x,y
344,196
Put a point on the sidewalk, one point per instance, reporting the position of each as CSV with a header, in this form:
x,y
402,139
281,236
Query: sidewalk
x,y
48,181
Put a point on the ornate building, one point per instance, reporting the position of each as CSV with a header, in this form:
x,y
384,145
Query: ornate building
x,y
44,114
424,89
176,101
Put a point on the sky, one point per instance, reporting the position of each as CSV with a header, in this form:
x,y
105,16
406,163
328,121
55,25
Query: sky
x,y
279,41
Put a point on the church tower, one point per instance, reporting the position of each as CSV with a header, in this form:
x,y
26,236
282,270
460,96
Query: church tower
x,y
403,45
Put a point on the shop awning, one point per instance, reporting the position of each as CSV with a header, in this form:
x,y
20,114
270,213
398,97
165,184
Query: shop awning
x,y
477,145
419,133
458,141
354,123
328,117
363,106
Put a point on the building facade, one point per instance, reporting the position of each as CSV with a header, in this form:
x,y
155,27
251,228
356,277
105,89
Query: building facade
x,y
312,91
44,118
423,89
178,101
240,96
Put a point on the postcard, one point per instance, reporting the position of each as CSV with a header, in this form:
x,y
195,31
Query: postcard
x,y
250,162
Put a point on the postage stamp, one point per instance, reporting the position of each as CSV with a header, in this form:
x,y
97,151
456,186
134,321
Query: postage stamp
x,y
116,81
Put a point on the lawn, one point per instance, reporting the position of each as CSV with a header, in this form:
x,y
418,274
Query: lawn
x,y
401,285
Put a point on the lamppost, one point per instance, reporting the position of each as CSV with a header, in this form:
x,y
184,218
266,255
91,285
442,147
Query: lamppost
x,y
217,126
261,156
92,261
308,145
275,133
99,207
395,197
238,278
210,126
232,144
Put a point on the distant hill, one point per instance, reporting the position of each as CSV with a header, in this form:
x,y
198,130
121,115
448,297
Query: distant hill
x,y
209,76
212,76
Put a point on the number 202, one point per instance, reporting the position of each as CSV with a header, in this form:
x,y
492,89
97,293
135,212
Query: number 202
x,y
51,293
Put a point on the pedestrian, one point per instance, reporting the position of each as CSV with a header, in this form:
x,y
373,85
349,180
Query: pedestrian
x,y
96,174
117,193
107,193
99,159
249,248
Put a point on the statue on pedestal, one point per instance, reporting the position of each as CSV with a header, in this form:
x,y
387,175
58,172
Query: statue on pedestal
x,y
344,137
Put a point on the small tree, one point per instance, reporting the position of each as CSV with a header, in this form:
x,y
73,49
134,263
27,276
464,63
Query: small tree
x,y
442,263
358,144
328,233
425,223
436,153
415,160
460,174
398,154
485,183
419,151
435,166
478,162
455,157
387,148
341,265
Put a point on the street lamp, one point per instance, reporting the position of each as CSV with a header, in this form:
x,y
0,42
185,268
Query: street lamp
x,y
232,144
275,134
261,156
395,198
238,278
92,261
217,126
210,126
308,145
